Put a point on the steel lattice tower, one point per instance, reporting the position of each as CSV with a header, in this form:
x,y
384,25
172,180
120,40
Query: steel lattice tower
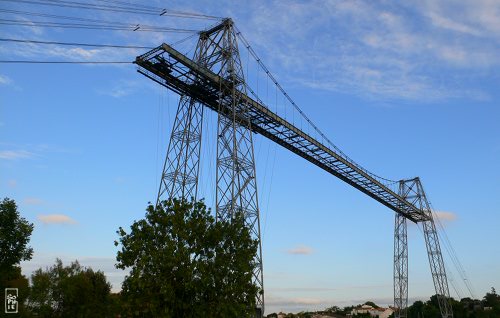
x,y
179,178
236,176
214,79
413,192
236,191
400,260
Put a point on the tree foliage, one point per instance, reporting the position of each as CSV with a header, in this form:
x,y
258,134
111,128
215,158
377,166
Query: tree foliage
x,y
15,234
465,308
69,291
184,264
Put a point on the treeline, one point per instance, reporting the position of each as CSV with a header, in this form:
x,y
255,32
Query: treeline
x,y
487,307
63,291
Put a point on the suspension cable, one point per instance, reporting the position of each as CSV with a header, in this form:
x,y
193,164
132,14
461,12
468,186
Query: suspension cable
x,y
118,6
75,44
311,124
96,26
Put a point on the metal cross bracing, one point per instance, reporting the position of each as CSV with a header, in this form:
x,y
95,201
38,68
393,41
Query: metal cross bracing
x,y
400,261
172,69
413,191
236,179
221,87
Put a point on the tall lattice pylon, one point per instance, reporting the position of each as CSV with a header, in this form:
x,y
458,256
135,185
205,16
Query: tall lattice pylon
x,y
236,178
236,190
179,178
413,192
401,260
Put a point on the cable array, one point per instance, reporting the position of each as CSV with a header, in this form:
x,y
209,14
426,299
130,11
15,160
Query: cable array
x,y
286,96
118,6
63,62
453,254
75,44
96,26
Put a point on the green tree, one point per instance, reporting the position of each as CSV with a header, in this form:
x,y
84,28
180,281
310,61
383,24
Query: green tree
x,y
15,233
333,309
71,291
184,264
371,303
491,299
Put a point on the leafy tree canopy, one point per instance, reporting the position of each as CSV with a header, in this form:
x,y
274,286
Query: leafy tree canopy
x,y
184,264
371,303
15,234
69,291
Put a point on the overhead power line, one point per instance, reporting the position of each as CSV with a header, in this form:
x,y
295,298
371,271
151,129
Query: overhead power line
x,y
97,26
101,22
64,62
118,6
75,44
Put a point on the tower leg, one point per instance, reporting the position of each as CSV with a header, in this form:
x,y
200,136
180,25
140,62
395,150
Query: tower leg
x,y
179,178
400,267
437,267
236,177
413,191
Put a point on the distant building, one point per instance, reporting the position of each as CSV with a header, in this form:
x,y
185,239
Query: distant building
x,y
374,312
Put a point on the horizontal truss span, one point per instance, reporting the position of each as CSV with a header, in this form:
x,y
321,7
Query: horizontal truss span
x,y
172,69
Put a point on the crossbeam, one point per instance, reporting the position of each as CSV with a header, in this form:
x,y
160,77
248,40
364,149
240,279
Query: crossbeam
x,y
172,69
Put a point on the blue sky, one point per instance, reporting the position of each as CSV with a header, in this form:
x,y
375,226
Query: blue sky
x,y
405,90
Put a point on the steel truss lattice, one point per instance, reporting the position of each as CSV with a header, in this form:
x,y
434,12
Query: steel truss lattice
x,y
236,191
413,192
400,261
220,86
179,178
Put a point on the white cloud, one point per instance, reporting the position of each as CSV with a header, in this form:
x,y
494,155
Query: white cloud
x,y
300,250
15,154
444,216
5,80
378,50
12,183
276,303
56,219
32,201
292,301
122,88
446,23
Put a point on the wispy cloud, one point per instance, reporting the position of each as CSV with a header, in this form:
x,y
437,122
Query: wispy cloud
x,y
56,219
379,50
293,301
276,303
32,201
12,183
122,88
445,216
5,80
15,154
300,250
27,151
